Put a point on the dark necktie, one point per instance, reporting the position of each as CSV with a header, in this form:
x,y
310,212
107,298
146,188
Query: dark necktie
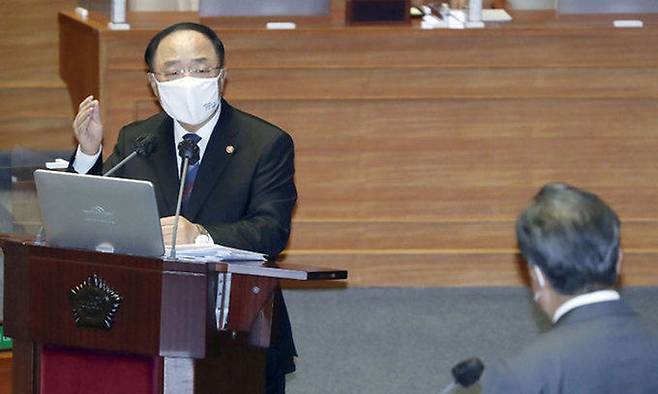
x,y
191,173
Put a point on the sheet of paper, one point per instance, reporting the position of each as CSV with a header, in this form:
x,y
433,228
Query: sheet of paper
x,y
495,15
214,252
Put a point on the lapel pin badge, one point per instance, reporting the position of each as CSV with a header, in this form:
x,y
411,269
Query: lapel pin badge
x,y
230,149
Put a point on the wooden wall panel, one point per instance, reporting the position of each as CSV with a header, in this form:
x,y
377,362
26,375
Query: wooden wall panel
x,y
450,268
29,43
39,101
313,122
539,46
428,234
464,158
38,133
35,118
80,59
483,202
400,83
421,83
34,103
392,268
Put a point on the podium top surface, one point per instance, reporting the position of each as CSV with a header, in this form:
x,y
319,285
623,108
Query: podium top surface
x,y
270,269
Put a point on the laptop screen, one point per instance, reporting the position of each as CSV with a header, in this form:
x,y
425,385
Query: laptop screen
x,y
99,213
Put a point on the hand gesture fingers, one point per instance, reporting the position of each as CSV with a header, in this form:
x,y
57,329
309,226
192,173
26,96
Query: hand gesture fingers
x,y
87,126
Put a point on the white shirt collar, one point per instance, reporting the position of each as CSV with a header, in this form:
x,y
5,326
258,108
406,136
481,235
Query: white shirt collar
x,y
204,132
585,299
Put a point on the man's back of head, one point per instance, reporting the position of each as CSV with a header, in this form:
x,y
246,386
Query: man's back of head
x,y
572,236
571,241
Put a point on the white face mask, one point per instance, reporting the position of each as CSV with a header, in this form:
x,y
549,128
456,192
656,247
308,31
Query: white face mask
x,y
189,100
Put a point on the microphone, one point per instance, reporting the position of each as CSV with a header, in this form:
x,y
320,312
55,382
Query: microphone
x,y
144,145
466,373
188,151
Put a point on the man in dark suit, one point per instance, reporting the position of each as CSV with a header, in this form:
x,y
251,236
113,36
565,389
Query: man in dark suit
x,y
240,194
570,239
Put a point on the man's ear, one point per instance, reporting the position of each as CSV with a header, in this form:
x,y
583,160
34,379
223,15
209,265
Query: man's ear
x,y
154,86
620,257
222,82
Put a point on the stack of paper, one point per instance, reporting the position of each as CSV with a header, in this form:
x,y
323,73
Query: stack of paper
x,y
214,252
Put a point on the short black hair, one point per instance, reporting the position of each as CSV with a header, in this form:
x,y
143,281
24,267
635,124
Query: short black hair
x,y
572,236
152,47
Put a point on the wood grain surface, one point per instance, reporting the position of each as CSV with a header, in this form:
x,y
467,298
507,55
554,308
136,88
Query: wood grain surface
x,y
34,103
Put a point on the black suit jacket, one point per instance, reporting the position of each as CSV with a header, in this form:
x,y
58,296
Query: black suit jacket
x,y
244,198
600,348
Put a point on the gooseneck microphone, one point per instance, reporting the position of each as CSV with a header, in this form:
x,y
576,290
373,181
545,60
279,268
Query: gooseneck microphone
x,y
466,373
144,146
188,150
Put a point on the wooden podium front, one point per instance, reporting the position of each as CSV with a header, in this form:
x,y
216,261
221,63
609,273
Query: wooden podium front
x,y
88,322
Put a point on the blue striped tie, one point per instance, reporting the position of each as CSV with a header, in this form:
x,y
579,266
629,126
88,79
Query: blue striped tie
x,y
191,172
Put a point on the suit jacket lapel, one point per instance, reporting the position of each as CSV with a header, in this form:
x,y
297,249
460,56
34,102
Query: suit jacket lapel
x,y
166,165
214,160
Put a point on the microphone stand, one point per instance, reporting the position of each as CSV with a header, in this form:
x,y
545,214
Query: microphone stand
x,y
121,163
144,146
179,202
40,238
449,388
189,152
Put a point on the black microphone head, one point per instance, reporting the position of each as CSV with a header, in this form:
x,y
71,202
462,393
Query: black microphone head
x,y
468,372
145,145
189,150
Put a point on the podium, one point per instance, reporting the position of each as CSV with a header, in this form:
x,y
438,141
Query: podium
x,y
89,322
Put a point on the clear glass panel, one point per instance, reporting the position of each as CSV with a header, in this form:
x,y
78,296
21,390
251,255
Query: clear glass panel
x,y
19,209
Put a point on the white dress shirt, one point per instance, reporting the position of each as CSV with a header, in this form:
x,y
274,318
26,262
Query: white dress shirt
x,y
585,299
204,132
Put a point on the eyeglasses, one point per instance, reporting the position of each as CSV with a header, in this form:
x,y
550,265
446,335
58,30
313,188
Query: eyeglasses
x,y
206,72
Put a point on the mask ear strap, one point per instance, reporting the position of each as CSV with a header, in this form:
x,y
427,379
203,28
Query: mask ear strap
x,y
540,276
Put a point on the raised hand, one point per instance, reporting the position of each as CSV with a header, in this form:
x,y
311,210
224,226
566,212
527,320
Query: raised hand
x,y
87,126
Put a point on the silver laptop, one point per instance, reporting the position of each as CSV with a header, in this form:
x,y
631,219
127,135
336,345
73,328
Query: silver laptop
x,y
104,214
